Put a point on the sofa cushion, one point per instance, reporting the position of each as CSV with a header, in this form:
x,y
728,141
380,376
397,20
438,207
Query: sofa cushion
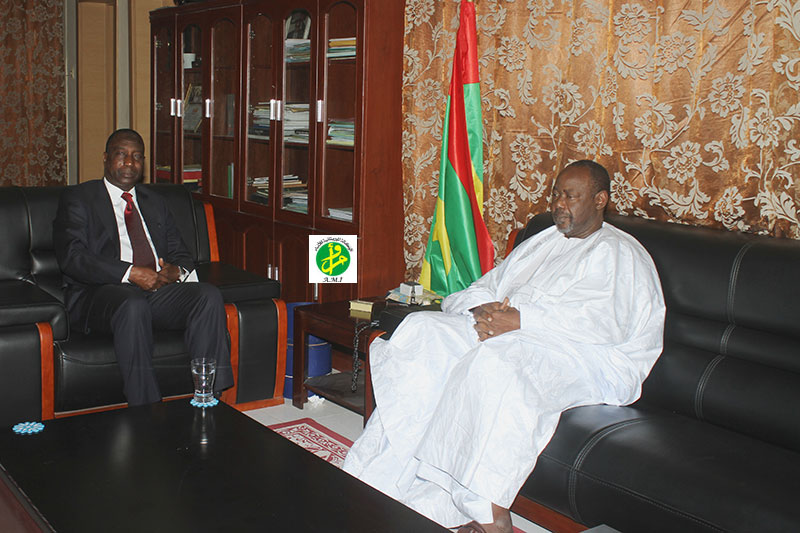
x,y
87,374
42,206
25,303
647,470
238,285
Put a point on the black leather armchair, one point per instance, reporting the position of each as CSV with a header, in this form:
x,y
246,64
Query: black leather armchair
x,y
48,371
714,442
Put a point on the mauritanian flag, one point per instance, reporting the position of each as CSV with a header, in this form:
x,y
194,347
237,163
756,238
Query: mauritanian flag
x,y
459,248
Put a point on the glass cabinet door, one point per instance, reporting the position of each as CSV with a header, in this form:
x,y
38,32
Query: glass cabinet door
x,y
341,92
164,106
221,107
192,108
261,108
297,110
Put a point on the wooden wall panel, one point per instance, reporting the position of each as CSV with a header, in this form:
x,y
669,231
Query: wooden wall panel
x,y
140,67
96,84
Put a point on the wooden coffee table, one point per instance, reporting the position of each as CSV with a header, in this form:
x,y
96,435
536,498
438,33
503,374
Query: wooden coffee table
x,y
173,467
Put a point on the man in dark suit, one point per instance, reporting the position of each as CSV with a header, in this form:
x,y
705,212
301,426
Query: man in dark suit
x,y
127,273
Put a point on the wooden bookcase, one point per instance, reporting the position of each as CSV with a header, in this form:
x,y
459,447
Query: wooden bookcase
x,y
286,116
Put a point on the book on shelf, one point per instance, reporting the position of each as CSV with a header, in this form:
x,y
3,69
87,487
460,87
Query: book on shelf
x,y
340,142
294,190
297,50
342,47
163,172
341,213
258,189
295,122
292,181
260,127
192,173
296,201
341,132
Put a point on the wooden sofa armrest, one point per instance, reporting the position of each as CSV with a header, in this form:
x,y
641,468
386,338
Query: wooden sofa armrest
x,y
512,237
545,517
230,395
48,370
211,227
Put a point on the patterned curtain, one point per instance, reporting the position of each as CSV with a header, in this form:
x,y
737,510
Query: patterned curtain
x,y
692,106
32,94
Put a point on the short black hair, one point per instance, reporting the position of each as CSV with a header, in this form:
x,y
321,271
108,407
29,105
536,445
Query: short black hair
x,y
597,173
124,132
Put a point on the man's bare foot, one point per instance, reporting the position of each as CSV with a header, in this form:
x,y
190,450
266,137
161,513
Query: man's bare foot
x,y
501,524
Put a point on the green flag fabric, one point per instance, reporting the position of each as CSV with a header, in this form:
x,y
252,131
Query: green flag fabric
x,y
459,249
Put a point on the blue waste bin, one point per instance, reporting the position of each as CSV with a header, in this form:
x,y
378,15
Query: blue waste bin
x,y
319,352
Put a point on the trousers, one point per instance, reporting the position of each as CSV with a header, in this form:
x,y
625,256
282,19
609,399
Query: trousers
x,y
131,314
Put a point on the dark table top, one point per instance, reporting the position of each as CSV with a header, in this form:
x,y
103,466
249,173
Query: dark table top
x,y
172,467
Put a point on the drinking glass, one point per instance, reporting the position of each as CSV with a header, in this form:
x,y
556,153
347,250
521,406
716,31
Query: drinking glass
x,y
203,371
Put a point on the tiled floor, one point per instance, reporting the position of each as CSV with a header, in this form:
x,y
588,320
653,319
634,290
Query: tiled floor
x,y
345,423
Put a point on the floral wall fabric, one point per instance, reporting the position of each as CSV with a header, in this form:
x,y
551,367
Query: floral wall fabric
x,y
32,93
693,106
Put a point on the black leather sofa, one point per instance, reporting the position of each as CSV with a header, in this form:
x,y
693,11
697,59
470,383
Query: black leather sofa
x,y
46,370
714,442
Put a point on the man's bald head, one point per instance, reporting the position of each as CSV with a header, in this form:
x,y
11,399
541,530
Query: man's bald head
x,y
580,196
597,173
124,133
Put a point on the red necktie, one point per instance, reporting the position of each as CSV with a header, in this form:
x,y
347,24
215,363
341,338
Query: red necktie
x,y
142,253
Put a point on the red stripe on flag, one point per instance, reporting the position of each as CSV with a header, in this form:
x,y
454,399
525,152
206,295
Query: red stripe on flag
x,y
467,44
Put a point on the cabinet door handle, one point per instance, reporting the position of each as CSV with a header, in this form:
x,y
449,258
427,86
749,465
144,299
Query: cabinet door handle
x,y
272,114
269,271
179,107
319,110
172,107
277,276
316,292
208,107
278,110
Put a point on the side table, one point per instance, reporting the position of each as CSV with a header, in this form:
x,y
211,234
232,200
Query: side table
x,y
332,322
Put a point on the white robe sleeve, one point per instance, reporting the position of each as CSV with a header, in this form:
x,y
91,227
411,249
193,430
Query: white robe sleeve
x,y
481,291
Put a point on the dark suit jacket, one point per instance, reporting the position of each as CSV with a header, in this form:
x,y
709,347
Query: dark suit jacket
x,y
86,239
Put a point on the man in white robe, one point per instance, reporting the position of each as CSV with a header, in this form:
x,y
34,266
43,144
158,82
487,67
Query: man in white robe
x,y
468,397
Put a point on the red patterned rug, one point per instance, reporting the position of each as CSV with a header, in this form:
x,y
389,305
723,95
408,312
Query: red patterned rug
x,y
320,441
316,439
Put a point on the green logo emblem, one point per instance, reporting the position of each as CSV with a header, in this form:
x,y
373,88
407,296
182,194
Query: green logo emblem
x,y
333,258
